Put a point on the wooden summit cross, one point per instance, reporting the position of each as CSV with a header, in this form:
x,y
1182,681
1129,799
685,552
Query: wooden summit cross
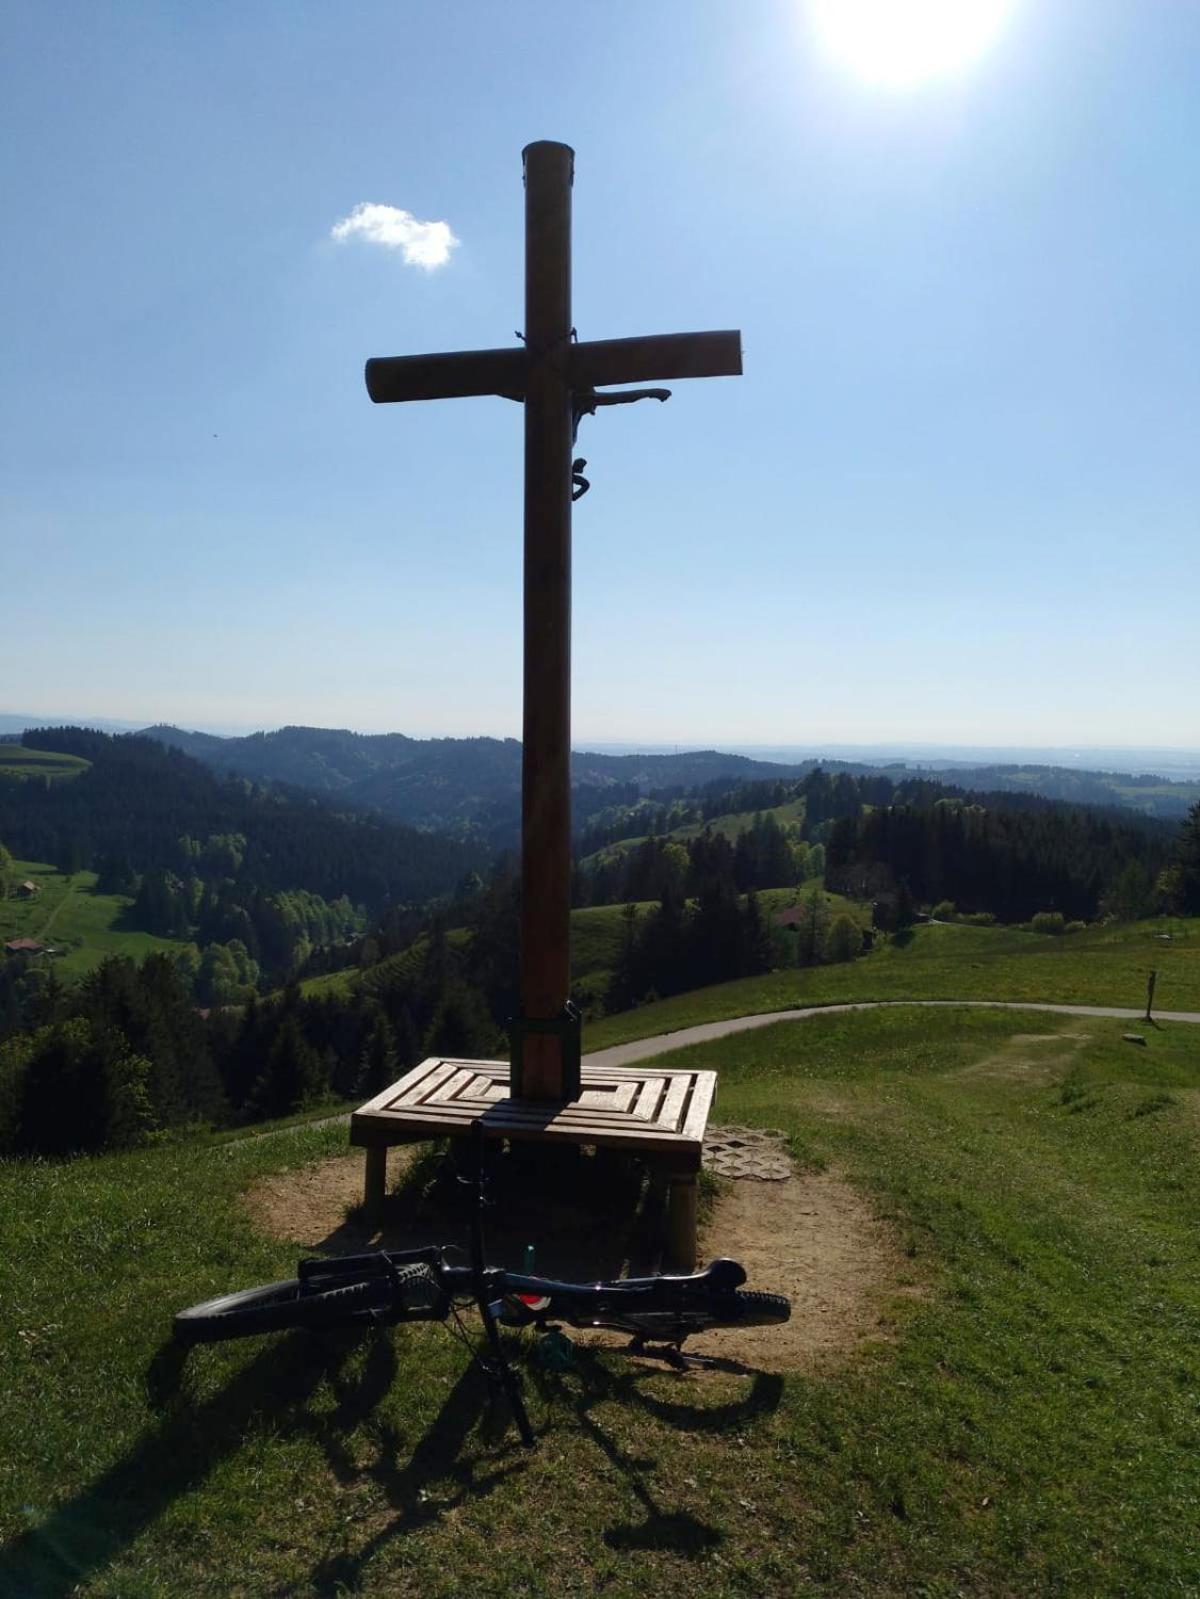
x,y
556,378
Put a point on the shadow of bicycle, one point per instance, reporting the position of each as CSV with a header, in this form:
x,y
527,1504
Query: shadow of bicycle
x,y
82,1536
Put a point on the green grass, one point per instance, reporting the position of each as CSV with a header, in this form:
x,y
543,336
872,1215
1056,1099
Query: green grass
x,y
1103,966
17,761
1027,1427
69,915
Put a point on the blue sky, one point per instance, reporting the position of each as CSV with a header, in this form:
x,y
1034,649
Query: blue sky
x,y
954,497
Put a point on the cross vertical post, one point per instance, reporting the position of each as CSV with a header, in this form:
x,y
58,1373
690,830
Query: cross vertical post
x,y
546,755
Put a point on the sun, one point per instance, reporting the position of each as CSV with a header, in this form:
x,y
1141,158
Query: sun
x,y
908,42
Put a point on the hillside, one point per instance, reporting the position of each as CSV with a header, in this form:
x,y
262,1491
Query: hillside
x,y
141,850
134,801
598,933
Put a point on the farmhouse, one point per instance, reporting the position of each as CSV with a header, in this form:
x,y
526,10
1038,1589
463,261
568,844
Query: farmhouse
x,y
24,946
29,889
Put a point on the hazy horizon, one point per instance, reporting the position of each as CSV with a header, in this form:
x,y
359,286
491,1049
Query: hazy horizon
x,y
1165,760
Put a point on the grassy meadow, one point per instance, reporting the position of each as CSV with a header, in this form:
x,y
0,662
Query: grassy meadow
x,y
70,916
50,765
1026,1424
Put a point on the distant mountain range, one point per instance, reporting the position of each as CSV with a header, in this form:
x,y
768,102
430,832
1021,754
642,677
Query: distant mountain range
x,y
475,783
448,782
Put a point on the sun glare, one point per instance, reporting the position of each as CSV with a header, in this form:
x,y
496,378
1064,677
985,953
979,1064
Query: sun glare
x,y
907,42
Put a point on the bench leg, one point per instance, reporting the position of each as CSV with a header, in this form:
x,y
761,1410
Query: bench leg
x,y
681,1220
376,1183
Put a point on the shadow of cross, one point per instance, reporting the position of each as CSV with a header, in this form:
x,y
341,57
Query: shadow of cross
x,y
557,380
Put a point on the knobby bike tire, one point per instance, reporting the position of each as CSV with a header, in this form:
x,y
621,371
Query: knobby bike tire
x,y
276,1306
746,1309
760,1310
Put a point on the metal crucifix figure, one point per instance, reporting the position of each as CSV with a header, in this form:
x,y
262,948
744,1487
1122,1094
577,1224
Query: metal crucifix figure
x,y
557,380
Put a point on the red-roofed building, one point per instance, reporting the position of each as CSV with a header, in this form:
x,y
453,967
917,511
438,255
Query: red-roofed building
x,y
24,946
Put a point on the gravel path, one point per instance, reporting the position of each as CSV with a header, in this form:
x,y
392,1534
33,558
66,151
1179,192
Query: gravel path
x,y
644,1048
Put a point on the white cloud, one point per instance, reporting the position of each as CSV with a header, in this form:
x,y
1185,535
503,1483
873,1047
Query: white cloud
x,y
425,244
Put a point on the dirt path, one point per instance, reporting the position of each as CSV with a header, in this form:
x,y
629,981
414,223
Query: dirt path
x,y
48,924
813,1236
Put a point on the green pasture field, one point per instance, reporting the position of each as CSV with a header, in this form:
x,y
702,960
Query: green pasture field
x,y
1025,1423
69,916
17,761
1106,965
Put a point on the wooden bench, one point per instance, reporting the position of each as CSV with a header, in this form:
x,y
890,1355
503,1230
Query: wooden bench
x,y
658,1115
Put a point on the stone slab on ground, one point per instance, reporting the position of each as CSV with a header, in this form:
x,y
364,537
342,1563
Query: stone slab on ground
x,y
760,1154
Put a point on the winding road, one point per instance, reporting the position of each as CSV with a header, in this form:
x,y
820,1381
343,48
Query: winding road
x,y
704,1032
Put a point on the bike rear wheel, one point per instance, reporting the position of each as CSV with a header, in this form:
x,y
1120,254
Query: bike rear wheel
x,y
276,1306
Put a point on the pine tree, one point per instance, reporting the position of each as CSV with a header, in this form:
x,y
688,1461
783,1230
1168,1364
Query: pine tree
x,y
379,1065
1189,862
292,1077
812,927
128,1113
844,940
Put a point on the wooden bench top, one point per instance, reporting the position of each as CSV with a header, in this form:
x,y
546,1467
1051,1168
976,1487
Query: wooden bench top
x,y
656,1113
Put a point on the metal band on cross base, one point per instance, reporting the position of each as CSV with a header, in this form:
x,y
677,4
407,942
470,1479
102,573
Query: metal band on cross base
x,y
567,1029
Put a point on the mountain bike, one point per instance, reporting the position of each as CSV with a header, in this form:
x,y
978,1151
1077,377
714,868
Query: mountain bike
x,y
387,1286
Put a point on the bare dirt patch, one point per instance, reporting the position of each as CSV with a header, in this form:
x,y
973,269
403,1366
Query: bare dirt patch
x,y
817,1240
1029,1057
310,1206
812,1237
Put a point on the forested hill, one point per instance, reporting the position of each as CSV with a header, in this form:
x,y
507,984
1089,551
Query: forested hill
x,y
448,782
1003,854
1145,792
142,808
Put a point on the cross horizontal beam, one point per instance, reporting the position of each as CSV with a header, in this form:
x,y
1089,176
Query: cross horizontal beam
x,y
393,378
657,355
